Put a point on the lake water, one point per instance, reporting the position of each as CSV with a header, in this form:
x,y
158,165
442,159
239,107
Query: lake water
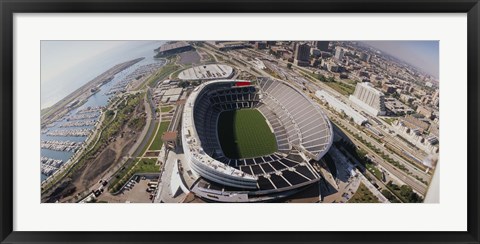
x,y
133,50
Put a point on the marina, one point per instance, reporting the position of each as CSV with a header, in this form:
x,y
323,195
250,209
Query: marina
x,y
84,116
64,146
61,139
79,123
49,165
74,132
139,73
90,110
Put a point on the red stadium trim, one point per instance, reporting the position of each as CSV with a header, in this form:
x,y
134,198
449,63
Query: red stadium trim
x,y
242,83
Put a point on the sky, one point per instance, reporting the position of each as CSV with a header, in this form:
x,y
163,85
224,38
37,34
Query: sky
x,y
421,54
61,56
67,65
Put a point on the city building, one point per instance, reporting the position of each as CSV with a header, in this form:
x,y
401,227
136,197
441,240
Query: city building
x,y
406,98
333,67
365,57
389,88
315,52
425,111
434,130
260,45
428,144
228,45
315,62
271,43
281,52
369,99
339,53
341,107
414,123
397,107
173,48
321,45
302,54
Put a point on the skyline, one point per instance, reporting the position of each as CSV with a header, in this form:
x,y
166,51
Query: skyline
x,y
80,61
421,54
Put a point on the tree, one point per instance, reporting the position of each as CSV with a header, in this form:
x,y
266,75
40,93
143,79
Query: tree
x,y
196,83
389,196
183,84
110,113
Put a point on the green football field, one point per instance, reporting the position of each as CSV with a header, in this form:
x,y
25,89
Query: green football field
x,y
245,134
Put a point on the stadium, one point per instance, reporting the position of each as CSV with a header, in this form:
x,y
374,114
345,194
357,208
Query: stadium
x,y
252,141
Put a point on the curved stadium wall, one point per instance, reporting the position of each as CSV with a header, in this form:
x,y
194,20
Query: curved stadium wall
x,y
301,129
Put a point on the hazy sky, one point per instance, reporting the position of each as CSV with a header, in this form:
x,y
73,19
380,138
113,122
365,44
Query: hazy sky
x,y
61,56
422,54
67,65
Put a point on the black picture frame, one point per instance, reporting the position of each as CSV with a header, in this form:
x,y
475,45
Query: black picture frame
x,y
9,7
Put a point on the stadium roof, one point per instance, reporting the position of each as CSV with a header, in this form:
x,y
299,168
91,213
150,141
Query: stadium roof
x,y
172,46
207,72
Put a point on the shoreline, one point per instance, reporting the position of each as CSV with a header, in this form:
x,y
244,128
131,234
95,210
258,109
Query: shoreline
x,y
80,95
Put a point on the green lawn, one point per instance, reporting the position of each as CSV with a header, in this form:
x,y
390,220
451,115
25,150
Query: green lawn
x,y
245,134
147,165
374,170
389,120
157,141
161,74
342,88
363,195
166,109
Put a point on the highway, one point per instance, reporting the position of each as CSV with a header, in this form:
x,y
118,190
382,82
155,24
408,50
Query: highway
x,y
414,183
414,170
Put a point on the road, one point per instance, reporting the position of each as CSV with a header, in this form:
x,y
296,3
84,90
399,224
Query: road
x,y
380,183
341,159
142,140
414,183
414,170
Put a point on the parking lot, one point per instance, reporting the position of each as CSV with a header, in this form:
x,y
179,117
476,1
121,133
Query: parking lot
x,y
133,193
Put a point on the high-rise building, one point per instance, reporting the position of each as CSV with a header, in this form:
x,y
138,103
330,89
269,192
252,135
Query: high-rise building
x,y
436,94
271,43
321,45
365,57
260,45
339,53
302,54
369,99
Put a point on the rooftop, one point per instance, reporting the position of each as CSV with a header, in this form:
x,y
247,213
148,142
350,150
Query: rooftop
x,y
207,72
171,46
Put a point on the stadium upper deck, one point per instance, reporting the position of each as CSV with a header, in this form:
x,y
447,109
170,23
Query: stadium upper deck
x,y
301,129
